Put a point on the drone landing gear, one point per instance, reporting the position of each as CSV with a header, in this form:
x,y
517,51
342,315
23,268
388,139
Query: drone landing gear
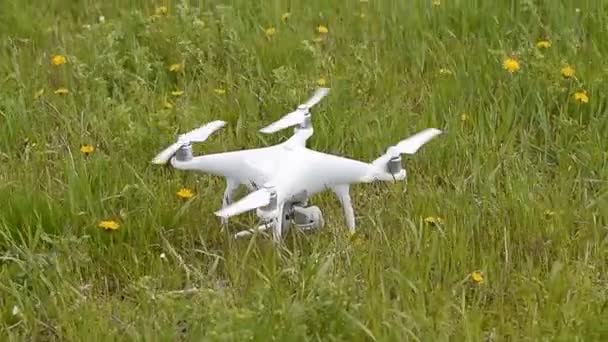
x,y
306,219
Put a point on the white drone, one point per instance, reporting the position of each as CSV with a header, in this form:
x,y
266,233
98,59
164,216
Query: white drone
x,y
289,172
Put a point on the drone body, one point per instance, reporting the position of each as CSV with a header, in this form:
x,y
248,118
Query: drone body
x,y
283,177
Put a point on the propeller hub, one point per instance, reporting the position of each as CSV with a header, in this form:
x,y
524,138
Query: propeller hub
x,y
184,153
394,165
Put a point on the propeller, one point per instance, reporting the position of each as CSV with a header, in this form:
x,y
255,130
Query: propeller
x,y
297,116
197,135
253,200
412,144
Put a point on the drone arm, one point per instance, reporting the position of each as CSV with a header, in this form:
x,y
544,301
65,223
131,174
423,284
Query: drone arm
x,y
342,191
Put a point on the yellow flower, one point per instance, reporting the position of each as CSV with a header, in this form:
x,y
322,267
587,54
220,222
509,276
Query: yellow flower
x,y
511,65
543,44
86,149
39,93
464,117
61,91
477,277
219,91
322,29
581,96
271,31
161,10
321,82
434,220
175,67
285,16
177,93
108,225
58,60
567,71
185,193
445,71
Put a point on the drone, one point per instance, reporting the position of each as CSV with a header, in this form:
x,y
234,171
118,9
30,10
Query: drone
x,y
282,178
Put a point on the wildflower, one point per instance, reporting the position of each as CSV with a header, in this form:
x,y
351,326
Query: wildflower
x,y
477,277
511,65
177,93
549,213
434,220
322,29
464,117
175,67
108,225
445,71
185,193
543,44
61,91
567,71
271,31
321,82
86,149
581,96
39,93
219,91
285,16
161,10
58,60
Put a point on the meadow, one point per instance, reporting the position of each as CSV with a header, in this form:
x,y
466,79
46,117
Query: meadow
x,y
499,233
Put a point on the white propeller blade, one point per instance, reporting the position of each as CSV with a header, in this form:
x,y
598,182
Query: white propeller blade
x,y
297,116
413,143
316,97
256,199
197,135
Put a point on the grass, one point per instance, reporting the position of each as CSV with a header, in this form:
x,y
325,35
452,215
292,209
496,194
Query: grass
x,y
519,180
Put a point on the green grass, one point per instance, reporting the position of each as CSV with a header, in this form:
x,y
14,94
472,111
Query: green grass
x,y
526,147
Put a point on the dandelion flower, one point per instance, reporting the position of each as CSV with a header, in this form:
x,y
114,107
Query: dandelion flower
x,y
567,71
549,213
177,93
86,149
175,67
445,71
322,29
108,225
581,96
477,277
321,82
39,93
285,16
161,10
185,193
543,44
434,220
219,91
511,65
58,60
61,91
271,31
